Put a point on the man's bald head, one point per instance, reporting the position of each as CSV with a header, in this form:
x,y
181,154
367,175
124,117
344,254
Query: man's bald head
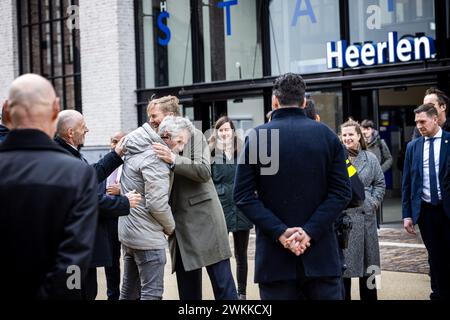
x,y
115,139
32,104
72,127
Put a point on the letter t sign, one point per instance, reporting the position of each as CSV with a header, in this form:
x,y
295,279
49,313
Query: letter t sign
x,y
227,5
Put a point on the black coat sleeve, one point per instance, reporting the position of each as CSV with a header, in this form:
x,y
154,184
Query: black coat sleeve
x,y
76,244
107,165
339,194
113,206
247,200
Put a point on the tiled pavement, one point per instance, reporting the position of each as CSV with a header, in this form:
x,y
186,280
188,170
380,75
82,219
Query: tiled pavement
x,y
403,259
401,252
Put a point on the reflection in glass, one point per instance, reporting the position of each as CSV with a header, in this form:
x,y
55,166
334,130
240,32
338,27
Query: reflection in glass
x,y
408,18
298,42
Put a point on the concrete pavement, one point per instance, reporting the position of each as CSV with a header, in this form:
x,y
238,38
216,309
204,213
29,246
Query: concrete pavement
x,y
394,285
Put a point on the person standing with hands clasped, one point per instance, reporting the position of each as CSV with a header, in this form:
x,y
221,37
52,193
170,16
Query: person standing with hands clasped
x,y
295,206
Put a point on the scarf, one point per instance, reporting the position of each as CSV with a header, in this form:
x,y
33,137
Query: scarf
x,y
353,153
227,149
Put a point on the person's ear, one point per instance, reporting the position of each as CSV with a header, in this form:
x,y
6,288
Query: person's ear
x,y
7,114
70,133
304,103
317,118
56,108
275,103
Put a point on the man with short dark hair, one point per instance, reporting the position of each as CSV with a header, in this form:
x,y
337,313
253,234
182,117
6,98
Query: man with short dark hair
x,y
424,189
376,145
294,210
440,101
48,199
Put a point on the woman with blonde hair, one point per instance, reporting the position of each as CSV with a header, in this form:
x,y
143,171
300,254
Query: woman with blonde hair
x,y
363,252
225,147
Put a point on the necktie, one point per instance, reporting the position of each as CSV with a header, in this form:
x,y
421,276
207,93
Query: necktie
x,y
433,177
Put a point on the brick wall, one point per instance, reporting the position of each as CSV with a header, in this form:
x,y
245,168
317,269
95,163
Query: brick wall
x,y
9,66
108,68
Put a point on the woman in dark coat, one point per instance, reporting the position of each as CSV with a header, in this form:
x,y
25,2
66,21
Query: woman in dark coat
x,y
225,147
362,257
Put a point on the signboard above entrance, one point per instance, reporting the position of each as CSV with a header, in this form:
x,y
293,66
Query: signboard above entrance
x,y
340,55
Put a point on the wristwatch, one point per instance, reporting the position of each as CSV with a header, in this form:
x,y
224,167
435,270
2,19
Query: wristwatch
x,y
172,166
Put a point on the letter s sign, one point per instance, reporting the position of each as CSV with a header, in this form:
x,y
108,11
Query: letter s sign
x,y
164,28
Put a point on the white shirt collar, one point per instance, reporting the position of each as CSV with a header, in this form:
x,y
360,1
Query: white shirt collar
x,y
437,136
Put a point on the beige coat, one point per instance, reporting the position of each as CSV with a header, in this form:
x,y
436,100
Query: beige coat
x,y
201,231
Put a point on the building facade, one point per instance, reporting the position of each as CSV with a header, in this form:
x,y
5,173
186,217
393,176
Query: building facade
x,y
366,59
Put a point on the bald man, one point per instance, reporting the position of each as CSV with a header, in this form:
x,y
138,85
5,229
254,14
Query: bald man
x,y
48,201
71,133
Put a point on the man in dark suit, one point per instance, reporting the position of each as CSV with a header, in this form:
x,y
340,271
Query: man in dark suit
x,y
71,132
423,192
301,200
48,201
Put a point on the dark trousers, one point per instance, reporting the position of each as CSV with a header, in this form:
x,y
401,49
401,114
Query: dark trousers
x,y
113,272
435,230
365,293
89,288
190,282
240,253
113,275
304,288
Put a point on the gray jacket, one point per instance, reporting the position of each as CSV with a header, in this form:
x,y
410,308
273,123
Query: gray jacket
x,y
379,147
146,225
201,234
363,250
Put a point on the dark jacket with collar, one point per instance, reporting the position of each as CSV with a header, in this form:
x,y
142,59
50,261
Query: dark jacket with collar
x,y
48,217
412,187
3,133
109,207
310,189
223,171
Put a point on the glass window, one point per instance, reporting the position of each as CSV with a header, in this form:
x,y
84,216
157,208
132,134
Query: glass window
x,y
50,48
232,40
329,107
299,34
372,20
167,43
246,113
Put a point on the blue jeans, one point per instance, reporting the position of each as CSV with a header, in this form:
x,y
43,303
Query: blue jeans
x,y
143,276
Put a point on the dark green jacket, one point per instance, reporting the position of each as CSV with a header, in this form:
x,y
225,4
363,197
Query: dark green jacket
x,y
223,172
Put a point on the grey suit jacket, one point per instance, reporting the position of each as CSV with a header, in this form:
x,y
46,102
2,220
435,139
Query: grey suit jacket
x,y
201,231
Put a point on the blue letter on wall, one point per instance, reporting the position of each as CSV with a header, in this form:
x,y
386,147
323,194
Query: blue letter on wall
x,y
164,28
227,5
299,12
390,5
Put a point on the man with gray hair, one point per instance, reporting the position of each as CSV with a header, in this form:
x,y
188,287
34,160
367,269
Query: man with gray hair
x,y
143,232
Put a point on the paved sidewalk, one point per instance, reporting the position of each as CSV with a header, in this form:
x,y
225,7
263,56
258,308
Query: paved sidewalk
x,y
404,275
